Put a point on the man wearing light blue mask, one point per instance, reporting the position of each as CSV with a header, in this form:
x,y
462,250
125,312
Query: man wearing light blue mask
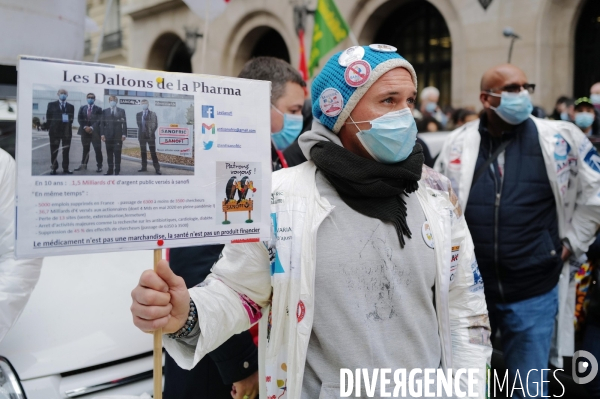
x,y
429,98
595,95
530,189
585,116
287,100
595,100
363,236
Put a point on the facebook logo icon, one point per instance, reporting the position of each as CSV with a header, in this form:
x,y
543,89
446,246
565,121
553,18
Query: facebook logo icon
x,y
208,111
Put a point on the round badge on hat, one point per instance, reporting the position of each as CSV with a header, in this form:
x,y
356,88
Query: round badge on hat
x,y
331,102
427,234
383,48
350,55
357,73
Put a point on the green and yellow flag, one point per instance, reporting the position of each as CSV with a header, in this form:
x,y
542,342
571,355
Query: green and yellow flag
x,y
330,29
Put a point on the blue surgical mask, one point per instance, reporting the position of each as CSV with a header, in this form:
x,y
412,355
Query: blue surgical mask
x,y
430,107
90,101
62,97
391,138
584,119
564,116
144,106
595,99
113,104
292,126
514,108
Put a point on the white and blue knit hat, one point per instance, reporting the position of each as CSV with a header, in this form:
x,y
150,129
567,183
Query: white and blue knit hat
x,y
347,76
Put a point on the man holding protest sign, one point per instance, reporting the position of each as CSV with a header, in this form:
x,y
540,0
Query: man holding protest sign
x,y
113,128
59,117
147,124
345,265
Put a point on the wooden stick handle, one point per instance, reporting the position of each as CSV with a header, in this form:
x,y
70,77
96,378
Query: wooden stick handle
x,y
157,345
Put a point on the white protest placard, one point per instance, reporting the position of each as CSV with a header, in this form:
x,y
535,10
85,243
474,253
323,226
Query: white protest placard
x,y
158,160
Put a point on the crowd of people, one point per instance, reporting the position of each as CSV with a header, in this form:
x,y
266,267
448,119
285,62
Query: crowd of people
x,y
385,262
513,202
583,112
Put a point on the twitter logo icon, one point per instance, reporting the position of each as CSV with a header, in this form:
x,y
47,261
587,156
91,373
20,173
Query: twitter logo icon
x,y
207,145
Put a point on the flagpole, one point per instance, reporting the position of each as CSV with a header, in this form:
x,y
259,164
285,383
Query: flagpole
x,y
157,347
205,44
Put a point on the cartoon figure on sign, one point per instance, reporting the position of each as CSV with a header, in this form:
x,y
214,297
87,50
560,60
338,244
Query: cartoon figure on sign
x,y
242,189
242,204
230,190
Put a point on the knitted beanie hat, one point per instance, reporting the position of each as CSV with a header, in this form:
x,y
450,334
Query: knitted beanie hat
x,y
347,76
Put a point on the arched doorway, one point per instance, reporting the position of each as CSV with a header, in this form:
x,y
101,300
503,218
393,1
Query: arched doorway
x,y
587,49
170,54
260,41
421,35
271,44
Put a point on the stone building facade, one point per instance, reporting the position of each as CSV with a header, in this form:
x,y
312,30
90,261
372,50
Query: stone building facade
x,y
450,42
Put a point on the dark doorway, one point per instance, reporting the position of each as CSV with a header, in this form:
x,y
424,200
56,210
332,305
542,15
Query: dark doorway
x,y
587,49
179,59
421,35
271,44
169,53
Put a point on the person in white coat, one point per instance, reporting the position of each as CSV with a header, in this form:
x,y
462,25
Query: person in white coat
x,y
370,265
17,277
530,190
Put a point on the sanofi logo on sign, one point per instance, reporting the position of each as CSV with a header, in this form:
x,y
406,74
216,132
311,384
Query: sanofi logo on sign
x,y
208,111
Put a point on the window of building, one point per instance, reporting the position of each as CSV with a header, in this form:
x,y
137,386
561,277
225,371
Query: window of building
x,y
421,35
112,30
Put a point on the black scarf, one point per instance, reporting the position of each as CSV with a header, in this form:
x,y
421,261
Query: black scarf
x,y
369,187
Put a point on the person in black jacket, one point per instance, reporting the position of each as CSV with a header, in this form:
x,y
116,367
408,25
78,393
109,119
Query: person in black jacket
x,y
591,336
89,117
59,117
236,361
113,130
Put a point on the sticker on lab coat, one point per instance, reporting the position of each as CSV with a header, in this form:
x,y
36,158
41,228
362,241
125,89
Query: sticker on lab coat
x,y
454,262
427,234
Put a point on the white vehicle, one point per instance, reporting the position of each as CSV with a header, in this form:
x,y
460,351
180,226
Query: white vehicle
x,y
76,338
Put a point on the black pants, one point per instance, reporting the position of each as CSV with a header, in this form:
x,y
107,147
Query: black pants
x,y
113,154
201,382
55,145
152,146
94,139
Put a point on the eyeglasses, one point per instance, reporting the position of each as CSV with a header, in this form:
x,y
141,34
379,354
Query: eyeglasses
x,y
515,88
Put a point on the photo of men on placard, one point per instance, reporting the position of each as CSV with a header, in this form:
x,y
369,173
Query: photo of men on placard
x,y
113,132
89,118
59,117
116,129
147,125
